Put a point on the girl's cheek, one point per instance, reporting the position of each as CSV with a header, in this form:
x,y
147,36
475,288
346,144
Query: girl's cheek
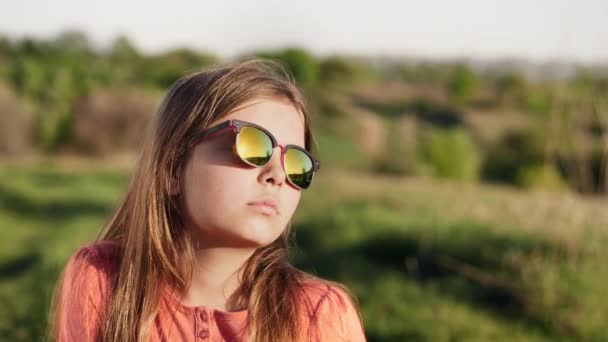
x,y
293,201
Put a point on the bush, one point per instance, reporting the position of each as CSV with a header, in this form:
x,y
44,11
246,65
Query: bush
x,y
462,85
16,124
398,157
449,153
537,103
540,176
586,172
511,87
338,70
302,65
514,152
164,69
111,121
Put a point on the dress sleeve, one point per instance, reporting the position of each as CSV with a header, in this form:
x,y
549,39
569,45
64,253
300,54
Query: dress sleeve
x,y
338,318
83,293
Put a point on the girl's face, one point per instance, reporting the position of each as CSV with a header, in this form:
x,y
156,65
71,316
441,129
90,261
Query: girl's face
x,y
218,189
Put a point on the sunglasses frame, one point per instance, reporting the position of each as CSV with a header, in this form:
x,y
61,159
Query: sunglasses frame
x,y
236,126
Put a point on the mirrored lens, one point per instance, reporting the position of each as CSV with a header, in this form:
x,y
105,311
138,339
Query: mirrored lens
x,y
254,146
299,167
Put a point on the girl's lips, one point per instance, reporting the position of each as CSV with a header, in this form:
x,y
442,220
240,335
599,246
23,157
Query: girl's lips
x,y
266,204
264,208
266,200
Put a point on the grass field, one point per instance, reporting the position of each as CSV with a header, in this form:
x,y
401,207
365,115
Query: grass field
x,y
428,260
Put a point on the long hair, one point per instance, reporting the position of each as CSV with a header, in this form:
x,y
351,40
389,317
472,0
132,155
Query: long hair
x,y
156,248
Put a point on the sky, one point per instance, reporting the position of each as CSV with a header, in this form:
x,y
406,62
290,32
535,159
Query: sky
x,y
537,30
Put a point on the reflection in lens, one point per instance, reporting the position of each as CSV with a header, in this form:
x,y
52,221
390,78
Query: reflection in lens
x,y
254,146
299,167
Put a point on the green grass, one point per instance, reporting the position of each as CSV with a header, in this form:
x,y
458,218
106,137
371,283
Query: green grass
x,y
436,260
45,214
428,260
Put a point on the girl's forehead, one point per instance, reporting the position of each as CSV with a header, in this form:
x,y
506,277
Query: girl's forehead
x,y
279,117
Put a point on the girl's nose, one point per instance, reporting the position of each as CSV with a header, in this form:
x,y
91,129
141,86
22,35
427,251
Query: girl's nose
x,y
273,171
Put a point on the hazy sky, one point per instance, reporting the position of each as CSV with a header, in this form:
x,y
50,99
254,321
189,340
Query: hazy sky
x,y
534,29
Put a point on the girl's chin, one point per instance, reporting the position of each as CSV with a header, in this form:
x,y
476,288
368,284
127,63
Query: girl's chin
x,y
254,230
261,234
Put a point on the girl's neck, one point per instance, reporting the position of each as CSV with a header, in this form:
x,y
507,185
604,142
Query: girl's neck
x,y
216,279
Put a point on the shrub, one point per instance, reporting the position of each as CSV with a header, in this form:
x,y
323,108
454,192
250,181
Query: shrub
x,y
449,153
16,124
338,70
111,121
514,152
299,62
398,157
462,85
540,176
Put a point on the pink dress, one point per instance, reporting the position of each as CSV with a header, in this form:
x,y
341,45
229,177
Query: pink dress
x,y
86,287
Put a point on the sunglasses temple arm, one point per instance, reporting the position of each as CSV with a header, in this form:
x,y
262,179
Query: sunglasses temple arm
x,y
208,133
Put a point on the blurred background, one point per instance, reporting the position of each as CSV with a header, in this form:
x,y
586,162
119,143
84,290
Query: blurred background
x,y
463,194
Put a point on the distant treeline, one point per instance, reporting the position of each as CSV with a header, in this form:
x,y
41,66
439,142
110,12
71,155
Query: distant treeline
x,y
64,94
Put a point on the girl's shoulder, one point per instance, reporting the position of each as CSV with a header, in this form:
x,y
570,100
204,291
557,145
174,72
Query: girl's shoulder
x,y
93,263
101,255
85,288
108,249
334,310
330,295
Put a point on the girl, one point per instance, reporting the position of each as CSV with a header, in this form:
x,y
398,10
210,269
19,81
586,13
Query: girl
x,y
197,248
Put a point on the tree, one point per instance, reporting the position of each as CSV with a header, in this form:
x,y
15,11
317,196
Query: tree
x,y
462,85
511,87
300,63
337,70
72,41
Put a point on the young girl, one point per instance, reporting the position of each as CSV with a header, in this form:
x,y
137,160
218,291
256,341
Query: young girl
x,y
197,248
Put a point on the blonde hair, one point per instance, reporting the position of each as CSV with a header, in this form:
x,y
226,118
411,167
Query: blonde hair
x,y
157,250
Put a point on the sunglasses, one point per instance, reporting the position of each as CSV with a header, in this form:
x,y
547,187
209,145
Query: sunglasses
x,y
255,145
